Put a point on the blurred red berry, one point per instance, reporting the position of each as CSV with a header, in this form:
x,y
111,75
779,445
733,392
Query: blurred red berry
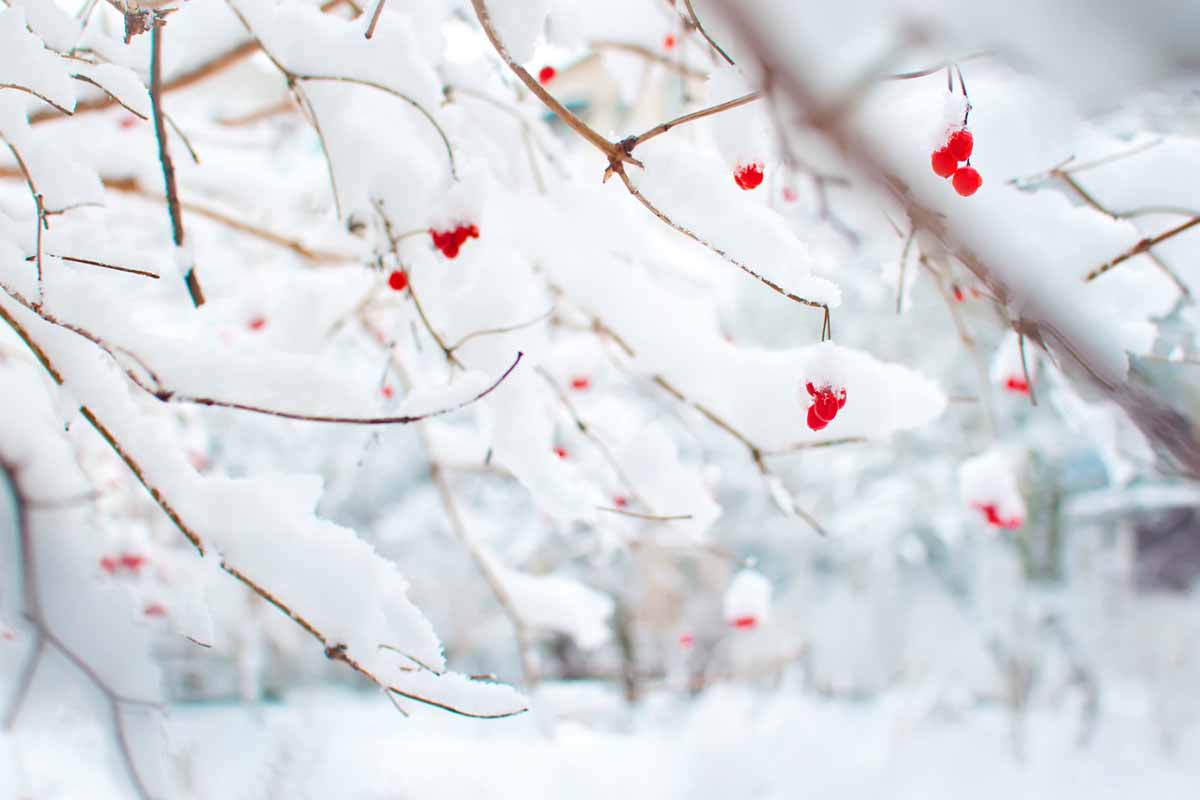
x,y
669,42
745,623
580,383
257,323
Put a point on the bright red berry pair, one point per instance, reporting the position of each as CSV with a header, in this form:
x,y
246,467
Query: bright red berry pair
x,y
748,176
1018,385
826,403
945,162
130,562
451,241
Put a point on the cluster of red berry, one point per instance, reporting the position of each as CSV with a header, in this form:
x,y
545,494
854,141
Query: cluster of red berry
x,y
748,176
451,241
826,403
945,162
130,562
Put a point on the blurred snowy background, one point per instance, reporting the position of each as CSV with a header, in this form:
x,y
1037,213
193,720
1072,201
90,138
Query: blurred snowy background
x,y
705,576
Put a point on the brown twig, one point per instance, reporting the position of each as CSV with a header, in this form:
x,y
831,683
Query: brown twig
x,y
374,19
649,55
1073,184
1143,246
826,331
699,27
38,95
164,156
632,142
502,329
90,262
609,149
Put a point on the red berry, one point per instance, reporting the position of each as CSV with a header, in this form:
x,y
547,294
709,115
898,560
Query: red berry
x,y
686,640
669,42
156,610
451,241
398,280
132,562
620,501
128,121
546,74
789,195
1018,385
841,399
748,176
387,391
580,382
967,181
826,405
992,514
814,421
257,323
561,452
812,390
745,622
958,295
961,144
109,565
943,163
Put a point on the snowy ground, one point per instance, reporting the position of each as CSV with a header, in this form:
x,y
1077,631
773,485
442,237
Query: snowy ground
x,y
727,744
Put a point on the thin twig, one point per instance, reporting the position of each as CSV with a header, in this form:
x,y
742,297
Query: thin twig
x,y
696,22
1141,247
903,264
90,262
650,517
38,95
374,19
649,55
503,329
1025,369
632,142
164,157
